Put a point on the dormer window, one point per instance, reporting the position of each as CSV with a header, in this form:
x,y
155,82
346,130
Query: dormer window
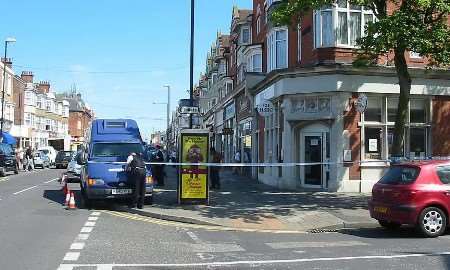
x,y
245,35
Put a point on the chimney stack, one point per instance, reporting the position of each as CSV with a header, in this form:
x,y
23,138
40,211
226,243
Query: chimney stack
x,y
7,62
27,76
43,87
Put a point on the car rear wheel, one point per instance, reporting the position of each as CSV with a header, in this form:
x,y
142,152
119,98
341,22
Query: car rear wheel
x,y
389,225
432,222
148,200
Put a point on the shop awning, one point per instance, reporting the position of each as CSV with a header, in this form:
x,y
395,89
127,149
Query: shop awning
x,y
8,139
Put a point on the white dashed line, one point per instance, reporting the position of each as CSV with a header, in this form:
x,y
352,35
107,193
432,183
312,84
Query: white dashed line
x,y
83,237
23,190
92,218
89,224
71,256
49,181
86,229
95,214
77,246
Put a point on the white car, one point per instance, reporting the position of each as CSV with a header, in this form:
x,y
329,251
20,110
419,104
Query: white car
x,y
50,152
73,170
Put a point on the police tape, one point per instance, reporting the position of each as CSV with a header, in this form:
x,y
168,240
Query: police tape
x,y
287,164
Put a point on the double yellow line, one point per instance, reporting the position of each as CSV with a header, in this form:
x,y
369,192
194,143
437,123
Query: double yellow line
x,y
193,226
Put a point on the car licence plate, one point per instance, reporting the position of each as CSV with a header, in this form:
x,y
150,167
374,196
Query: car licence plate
x,y
380,209
121,191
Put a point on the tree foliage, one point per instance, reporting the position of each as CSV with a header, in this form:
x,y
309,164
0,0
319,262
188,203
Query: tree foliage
x,y
420,26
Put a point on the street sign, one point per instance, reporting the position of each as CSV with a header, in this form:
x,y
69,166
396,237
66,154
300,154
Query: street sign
x,y
361,103
265,108
190,110
193,179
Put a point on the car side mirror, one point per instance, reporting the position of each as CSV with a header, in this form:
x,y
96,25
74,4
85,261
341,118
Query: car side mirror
x,y
81,159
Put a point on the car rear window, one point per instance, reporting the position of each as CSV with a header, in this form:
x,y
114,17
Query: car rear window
x,y
444,174
400,175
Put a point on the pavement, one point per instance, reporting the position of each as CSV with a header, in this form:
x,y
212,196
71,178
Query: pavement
x,y
243,203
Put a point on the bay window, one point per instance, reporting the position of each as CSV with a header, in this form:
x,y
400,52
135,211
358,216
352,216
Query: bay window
x,y
373,110
254,62
277,49
340,24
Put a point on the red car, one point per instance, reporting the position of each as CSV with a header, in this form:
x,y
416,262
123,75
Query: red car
x,y
415,193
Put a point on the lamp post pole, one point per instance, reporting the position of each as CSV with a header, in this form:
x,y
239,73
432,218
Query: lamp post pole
x,y
191,86
168,121
8,40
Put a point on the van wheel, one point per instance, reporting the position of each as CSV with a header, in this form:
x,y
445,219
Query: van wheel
x,y
85,202
148,200
389,225
2,172
432,222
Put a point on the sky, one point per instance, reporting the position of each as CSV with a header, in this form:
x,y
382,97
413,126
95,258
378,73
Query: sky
x,y
118,53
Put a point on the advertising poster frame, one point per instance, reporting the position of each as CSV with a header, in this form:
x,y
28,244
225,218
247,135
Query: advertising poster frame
x,y
193,181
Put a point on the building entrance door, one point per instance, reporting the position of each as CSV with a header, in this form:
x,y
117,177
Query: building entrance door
x,y
314,150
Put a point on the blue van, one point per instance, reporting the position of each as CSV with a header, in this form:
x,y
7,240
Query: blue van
x,y
108,144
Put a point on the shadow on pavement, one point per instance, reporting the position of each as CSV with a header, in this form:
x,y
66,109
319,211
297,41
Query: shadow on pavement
x,y
381,233
246,199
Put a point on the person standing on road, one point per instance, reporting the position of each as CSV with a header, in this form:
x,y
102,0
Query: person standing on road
x,y
30,161
136,173
158,170
237,159
214,171
21,159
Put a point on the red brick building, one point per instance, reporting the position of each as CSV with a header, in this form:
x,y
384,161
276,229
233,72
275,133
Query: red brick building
x,y
305,72
313,87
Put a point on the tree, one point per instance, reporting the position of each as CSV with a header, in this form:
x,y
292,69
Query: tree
x,y
419,26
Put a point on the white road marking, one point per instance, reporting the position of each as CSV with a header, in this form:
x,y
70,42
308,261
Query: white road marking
x,y
83,236
18,192
324,259
104,267
49,181
193,237
92,218
71,256
295,245
89,224
77,246
65,267
86,229
95,214
213,248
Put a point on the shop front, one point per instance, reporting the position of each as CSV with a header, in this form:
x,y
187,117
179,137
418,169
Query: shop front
x,y
244,133
229,133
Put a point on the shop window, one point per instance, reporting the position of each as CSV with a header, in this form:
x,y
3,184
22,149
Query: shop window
x,y
373,111
417,142
373,142
418,111
390,140
392,106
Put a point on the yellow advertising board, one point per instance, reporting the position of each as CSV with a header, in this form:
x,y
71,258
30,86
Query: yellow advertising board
x,y
193,185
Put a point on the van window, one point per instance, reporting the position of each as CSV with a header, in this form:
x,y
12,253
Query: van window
x,y
400,175
116,149
444,174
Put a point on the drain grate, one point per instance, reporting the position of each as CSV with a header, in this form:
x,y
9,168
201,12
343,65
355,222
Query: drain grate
x,y
322,231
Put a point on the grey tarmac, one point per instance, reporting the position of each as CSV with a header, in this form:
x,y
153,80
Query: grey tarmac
x,y
38,233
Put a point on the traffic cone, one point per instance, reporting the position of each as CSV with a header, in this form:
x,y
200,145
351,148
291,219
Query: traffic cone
x,y
71,205
66,203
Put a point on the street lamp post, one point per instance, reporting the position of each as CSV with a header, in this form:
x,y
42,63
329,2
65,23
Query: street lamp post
x,y
191,87
8,40
168,121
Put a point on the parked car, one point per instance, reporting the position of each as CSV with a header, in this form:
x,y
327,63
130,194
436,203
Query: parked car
x,y
73,169
50,152
8,161
416,193
63,158
41,160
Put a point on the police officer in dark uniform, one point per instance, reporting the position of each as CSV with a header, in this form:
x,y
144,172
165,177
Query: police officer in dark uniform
x,y
137,173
